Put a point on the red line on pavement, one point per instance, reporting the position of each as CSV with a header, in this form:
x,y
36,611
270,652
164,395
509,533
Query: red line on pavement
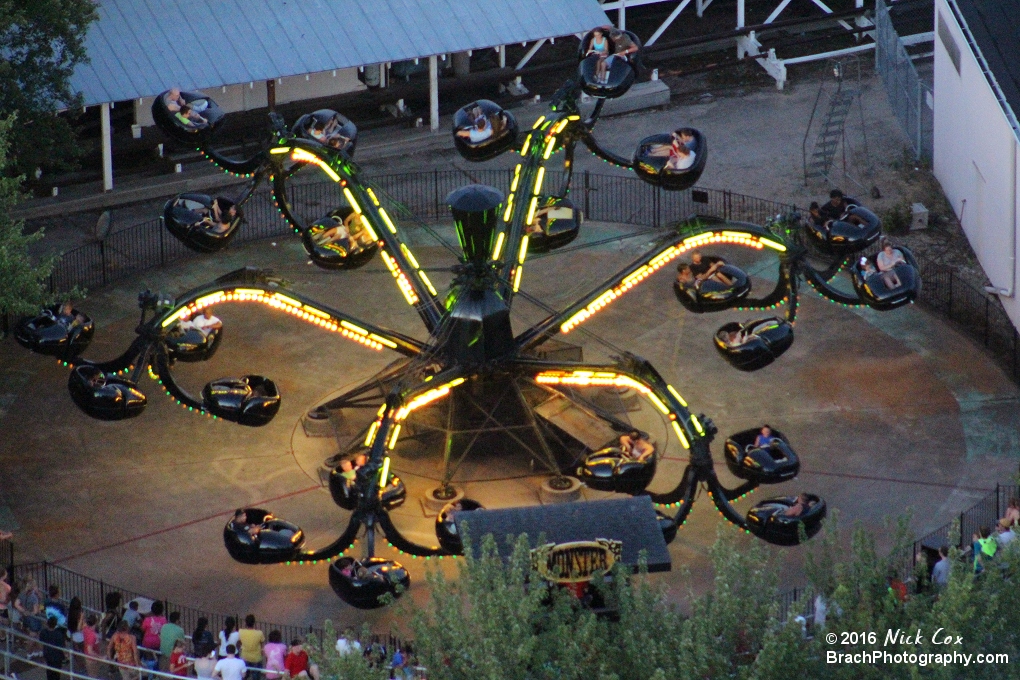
x,y
179,526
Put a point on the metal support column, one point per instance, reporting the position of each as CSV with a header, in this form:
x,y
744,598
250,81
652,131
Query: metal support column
x,y
434,92
107,135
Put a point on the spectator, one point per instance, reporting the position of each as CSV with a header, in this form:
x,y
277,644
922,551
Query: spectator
x,y
90,646
169,635
940,572
206,664
202,642
52,639
275,652
251,639
29,603
178,664
1012,515
5,596
983,547
296,663
132,615
123,649
112,617
75,623
347,643
228,636
397,664
1006,537
152,625
54,607
230,667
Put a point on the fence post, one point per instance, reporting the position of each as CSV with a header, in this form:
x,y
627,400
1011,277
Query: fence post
x,y
435,180
46,574
587,190
102,259
658,199
162,255
53,283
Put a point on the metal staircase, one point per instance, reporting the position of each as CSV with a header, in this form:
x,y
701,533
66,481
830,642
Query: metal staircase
x,y
831,135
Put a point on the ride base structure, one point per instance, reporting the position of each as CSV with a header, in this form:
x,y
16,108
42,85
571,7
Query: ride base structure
x,y
473,384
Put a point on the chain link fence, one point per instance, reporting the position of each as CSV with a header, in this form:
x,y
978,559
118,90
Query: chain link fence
x,y
910,97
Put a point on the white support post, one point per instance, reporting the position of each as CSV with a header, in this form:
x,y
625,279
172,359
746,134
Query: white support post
x,y
669,20
530,53
107,135
502,56
740,13
621,20
434,93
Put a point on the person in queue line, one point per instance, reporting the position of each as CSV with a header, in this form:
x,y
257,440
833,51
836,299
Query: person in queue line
x,y
983,547
799,507
132,615
347,643
169,635
837,206
178,662
75,623
599,47
90,646
230,667
175,102
1005,536
296,662
251,640
228,636
635,445
205,665
202,642
112,616
887,260
53,606
205,323
152,625
940,572
123,649
1012,515
52,638
274,651
5,597
705,267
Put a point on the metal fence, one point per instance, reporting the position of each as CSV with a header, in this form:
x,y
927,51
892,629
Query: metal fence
x,y
909,95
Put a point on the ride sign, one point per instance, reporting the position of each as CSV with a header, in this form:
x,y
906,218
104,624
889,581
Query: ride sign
x,y
577,561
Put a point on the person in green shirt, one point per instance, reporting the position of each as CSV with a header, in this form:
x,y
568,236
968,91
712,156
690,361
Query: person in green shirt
x,y
170,633
251,639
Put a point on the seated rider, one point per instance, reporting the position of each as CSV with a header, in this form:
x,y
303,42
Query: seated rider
x,y
735,338
174,102
800,506
356,227
205,323
688,138
685,277
815,215
837,205
240,523
680,156
479,132
709,267
599,47
67,316
765,437
189,118
220,216
623,47
887,260
348,472
636,446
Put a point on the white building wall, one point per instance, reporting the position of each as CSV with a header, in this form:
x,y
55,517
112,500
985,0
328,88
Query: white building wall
x,y
247,96
976,157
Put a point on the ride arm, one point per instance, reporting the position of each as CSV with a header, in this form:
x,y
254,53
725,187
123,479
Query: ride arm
x,y
304,308
243,168
342,543
162,375
605,154
828,291
398,541
125,362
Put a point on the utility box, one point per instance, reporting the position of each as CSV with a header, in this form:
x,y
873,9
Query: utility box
x,y
918,217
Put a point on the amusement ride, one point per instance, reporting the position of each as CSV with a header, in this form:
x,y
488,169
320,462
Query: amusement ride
x,y
474,381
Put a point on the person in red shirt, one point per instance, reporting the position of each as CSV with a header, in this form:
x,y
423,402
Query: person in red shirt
x,y
296,663
178,661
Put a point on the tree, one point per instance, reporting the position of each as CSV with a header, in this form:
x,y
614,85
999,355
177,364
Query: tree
x,y
23,290
43,41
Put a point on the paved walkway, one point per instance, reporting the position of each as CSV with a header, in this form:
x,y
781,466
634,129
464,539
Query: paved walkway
x,y
889,412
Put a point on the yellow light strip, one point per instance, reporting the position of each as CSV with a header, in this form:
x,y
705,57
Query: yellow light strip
x,y
371,194
385,470
409,256
573,118
302,155
549,146
281,302
402,282
772,244
531,210
538,181
659,261
538,122
427,398
387,220
350,199
428,284
697,425
517,278
372,430
394,435
677,395
517,178
524,250
606,379
509,208
280,149
527,143
500,237
559,126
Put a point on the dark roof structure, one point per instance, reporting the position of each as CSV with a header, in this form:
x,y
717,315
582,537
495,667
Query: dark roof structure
x,y
139,48
629,520
995,27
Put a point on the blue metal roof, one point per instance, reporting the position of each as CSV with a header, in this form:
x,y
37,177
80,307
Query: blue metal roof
x,y
139,48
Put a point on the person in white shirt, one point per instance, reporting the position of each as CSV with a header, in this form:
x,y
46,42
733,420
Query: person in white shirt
x,y
230,667
205,323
